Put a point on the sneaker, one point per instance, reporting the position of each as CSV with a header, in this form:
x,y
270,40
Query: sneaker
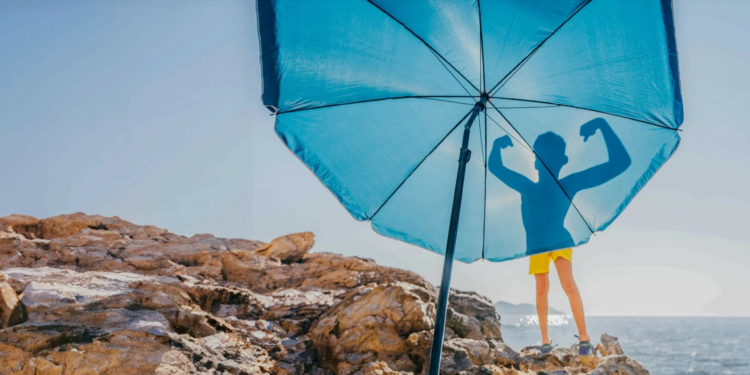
x,y
585,349
545,350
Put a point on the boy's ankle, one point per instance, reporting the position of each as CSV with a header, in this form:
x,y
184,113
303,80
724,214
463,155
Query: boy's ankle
x,y
583,338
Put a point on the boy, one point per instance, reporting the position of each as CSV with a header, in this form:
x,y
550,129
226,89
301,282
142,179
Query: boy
x,y
544,207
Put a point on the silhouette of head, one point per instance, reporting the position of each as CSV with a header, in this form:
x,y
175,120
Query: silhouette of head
x,y
550,147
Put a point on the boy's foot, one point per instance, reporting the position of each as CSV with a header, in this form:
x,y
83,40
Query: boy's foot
x,y
545,350
585,349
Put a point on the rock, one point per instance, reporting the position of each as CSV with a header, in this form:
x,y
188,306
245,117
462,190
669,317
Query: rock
x,y
123,352
47,286
478,351
373,325
12,359
381,368
609,345
560,359
483,320
503,354
12,311
463,326
50,228
288,249
455,361
619,365
87,294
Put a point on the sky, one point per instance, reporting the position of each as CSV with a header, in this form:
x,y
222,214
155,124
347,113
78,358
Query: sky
x,y
151,111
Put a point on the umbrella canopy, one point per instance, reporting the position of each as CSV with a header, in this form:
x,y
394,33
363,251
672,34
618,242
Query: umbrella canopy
x,y
370,95
577,104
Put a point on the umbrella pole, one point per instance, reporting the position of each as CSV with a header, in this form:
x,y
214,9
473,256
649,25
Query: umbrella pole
x,y
442,305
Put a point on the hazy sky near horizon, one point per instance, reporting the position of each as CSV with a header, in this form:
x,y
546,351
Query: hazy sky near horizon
x,y
151,111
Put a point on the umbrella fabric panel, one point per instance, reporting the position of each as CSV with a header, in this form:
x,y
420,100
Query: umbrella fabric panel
x,y
325,52
527,212
613,56
369,94
419,212
606,160
451,27
363,152
512,29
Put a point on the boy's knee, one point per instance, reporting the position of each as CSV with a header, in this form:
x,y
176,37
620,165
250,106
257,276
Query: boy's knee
x,y
542,287
569,287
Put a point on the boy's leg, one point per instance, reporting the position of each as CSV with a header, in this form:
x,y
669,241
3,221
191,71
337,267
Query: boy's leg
x,y
542,287
565,271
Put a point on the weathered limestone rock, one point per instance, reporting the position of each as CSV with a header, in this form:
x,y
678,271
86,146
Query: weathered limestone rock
x,y
372,325
12,311
608,345
83,294
473,316
381,368
478,351
503,354
288,249
619,365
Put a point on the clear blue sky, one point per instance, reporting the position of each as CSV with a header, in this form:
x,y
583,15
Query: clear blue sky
x,y
150,110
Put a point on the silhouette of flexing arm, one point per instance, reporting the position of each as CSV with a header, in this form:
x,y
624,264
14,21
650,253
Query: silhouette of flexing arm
x,y
618,162
515,180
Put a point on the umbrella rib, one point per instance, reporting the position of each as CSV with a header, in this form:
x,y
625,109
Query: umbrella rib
x,y
528,107
523,143
451,73
420,163
483,82
545,167
523,61
377,100
585,109
423,41
448,101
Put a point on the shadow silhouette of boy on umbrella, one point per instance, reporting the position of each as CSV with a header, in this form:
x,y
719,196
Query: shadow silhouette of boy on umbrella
x,y
544,207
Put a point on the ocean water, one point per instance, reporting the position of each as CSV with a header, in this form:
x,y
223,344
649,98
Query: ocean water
x,y
665,346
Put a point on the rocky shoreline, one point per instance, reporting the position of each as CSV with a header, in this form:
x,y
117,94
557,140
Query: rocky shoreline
x,y
84,294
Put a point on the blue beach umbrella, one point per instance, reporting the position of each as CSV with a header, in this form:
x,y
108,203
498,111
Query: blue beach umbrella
x,y
477,129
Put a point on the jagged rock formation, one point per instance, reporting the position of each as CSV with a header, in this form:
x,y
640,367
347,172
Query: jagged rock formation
x,y
86,294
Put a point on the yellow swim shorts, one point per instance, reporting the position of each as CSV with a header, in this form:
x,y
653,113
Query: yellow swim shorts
x,y
539,263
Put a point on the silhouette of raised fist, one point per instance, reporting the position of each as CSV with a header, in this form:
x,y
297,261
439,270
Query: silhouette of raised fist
x,y
503,142
588,129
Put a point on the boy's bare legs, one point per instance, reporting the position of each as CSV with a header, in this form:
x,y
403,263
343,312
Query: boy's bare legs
x,y
565,271
542,287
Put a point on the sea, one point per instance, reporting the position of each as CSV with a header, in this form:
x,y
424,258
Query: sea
x,y
664,346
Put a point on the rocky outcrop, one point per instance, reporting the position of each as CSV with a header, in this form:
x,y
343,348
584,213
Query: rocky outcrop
x,y
92,294
609,345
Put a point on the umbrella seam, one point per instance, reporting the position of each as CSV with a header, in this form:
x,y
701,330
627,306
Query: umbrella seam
x,y
419,164
374,100
545,167
587,109
423,41
523,61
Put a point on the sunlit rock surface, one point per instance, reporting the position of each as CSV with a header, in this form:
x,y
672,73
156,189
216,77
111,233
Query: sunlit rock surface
x,y
84,294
